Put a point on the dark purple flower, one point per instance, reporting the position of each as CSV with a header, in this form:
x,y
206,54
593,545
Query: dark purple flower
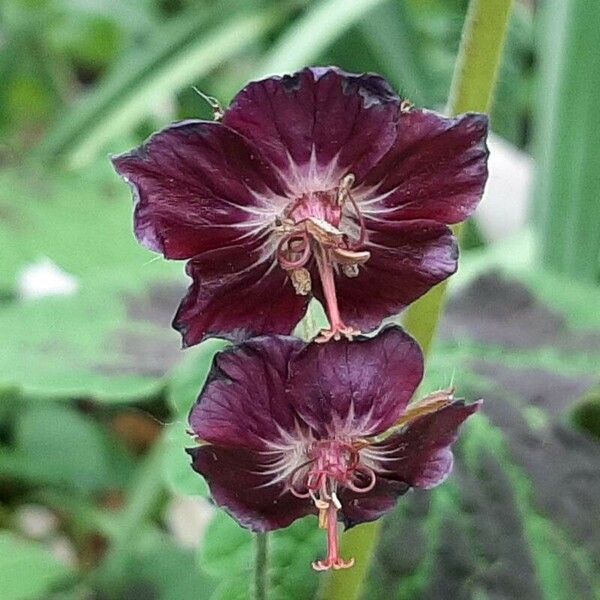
x,y
288,429
321,183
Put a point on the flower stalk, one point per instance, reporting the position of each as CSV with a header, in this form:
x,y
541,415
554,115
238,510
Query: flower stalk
x,y
472,89
261,567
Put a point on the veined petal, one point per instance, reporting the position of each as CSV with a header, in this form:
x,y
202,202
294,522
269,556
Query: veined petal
x,y
199,186
356,389
238,292
420,456
237,484
406,260
362,508
436,169
245,403
317,124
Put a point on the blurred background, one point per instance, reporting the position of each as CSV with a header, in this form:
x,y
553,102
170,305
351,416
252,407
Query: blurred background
x,y
97,500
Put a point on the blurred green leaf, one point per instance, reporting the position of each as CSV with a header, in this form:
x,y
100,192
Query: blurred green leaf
x,y
81,220
160,569
228,555
45,435
322,24
391,35
586,413
177,469
28,571
111,341
190,48
189,376
227,548
154,567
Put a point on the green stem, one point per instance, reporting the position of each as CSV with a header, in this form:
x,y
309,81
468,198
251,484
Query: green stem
x,y
567,133
261,567
472,89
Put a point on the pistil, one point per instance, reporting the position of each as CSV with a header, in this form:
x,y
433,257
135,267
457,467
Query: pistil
x,y
310,226
333,560
337,328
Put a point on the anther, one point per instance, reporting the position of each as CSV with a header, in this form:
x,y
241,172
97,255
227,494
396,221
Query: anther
x,y
336,501
406,106
301,281
344,188
218,112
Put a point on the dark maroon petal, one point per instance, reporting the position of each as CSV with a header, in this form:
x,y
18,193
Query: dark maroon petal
x,y
418,457
340,116
436,169
407,260
245,403
237,292
360,508
356,388
237,483
198,186
423,458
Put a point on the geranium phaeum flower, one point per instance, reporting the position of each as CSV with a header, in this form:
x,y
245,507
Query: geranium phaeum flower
x,y
321,183
288,429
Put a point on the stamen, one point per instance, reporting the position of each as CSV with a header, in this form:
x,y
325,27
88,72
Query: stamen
x,y
350,271
361,222
293,481
344,188
301,281
336,501
218,112
369,473
285,246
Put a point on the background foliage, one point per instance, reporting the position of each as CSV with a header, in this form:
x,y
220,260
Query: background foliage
x,y
95,490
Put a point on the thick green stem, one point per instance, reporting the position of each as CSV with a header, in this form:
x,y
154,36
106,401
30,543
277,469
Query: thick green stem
x,y
261,567
472,89
567,134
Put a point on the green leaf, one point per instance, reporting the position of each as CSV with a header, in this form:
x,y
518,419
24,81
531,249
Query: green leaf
x,y
188,378
27,570
178,473
163,570
228,555
390,33
227,548
322,24
81,220
45,435
111,341
154,566
192,47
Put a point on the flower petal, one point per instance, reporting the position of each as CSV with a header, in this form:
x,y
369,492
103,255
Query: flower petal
x,y
357,388
436,169
245,404
199,186
316,118
407,259
238,292
237,484
361,508
418,457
